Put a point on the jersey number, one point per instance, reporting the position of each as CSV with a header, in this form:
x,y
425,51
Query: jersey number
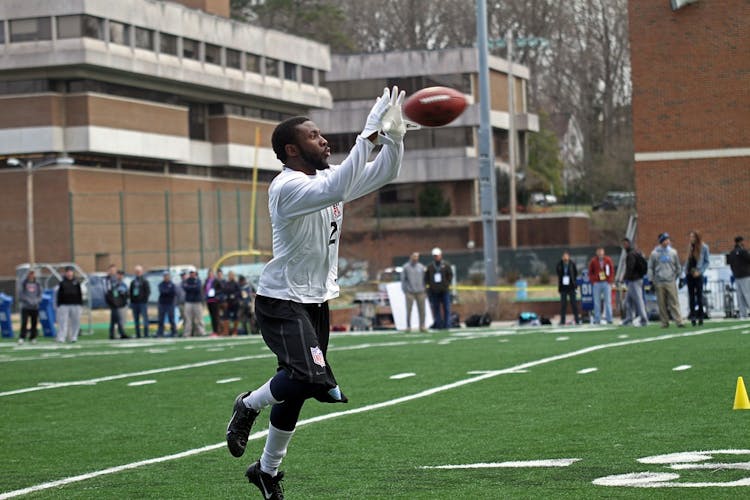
x,y
334,228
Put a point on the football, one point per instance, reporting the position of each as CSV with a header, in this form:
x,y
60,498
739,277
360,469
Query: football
x,y
434,106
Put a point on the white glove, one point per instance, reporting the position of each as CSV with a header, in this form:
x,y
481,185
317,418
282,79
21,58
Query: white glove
x,y
375,118
393,121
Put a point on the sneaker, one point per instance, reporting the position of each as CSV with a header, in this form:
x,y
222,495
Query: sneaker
x,y
269,486
20,341
239,426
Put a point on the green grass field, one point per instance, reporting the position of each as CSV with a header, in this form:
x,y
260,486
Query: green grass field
x,y
526,413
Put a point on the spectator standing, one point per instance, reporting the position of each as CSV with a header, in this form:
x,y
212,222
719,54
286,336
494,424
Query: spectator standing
x,y
116,297
739,261
636,267
602,275
247,314
29,298
412,283
663,270
222,299
193,319
140,290
180,300
232,295
69,305
212,301
438,278
567,274
695,268
167,298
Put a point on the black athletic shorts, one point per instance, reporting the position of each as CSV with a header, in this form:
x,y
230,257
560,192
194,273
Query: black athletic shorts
x,y
298,335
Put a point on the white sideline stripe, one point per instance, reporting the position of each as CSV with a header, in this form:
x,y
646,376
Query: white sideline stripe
x,y
587,370
553,462
109,378
376,406
141,382
228,380
681,368
399,376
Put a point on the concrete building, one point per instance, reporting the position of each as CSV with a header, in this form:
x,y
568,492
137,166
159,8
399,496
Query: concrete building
x,y
148,97
691,120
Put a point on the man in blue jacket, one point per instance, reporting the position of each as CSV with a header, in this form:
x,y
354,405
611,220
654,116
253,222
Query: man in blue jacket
x,y
167,297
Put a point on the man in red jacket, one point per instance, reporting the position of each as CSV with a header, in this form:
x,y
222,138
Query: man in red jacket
x,y
602,275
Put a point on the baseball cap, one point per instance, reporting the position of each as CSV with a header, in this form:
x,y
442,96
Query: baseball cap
x,y
437,251
663,236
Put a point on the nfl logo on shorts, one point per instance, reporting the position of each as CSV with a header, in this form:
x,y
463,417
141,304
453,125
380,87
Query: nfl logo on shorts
x,y
317,356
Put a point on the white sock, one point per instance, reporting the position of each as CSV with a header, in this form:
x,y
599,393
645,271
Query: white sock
x,y
275,450
260,397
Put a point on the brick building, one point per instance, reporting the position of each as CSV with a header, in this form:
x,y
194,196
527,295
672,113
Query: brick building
x,y
691,120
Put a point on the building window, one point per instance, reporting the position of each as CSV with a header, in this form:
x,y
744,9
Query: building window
x,y
2,31
80,26
167,44
198,119
252,63
272,67
308,75
191,49
119,33
213,54
144,39
24,86
29,30
234,59
290,71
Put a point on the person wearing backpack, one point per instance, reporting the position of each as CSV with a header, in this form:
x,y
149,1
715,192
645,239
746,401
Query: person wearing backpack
x,y
636,267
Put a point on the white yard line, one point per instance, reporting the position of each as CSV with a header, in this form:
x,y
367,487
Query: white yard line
x,y
362,409
120,376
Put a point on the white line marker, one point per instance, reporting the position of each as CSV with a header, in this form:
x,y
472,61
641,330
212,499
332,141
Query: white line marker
x,y
623,336
555,462
681,368
228,380
587,370
560,339
141,382
399,376
354,411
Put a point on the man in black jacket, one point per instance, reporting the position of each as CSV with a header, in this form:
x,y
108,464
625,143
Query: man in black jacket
x,y
636,268
69,304
140,290
739,260
567,274
438,278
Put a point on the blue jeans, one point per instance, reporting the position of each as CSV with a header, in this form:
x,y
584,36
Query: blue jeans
x,y
440,302
168,312
605,289
140,311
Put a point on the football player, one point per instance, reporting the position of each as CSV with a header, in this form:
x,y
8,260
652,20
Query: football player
x,y
306,205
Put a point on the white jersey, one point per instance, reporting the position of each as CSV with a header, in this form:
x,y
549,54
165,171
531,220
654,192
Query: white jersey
x,y
306,217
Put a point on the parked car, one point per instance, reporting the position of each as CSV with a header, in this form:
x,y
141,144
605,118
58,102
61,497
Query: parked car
x,y
542,199
529,264
615,200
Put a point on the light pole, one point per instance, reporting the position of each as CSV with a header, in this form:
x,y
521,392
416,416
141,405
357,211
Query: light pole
x,y
487,193
30,166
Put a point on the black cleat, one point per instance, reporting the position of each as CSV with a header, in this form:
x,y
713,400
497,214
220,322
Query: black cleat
x,y
269,486
239,426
